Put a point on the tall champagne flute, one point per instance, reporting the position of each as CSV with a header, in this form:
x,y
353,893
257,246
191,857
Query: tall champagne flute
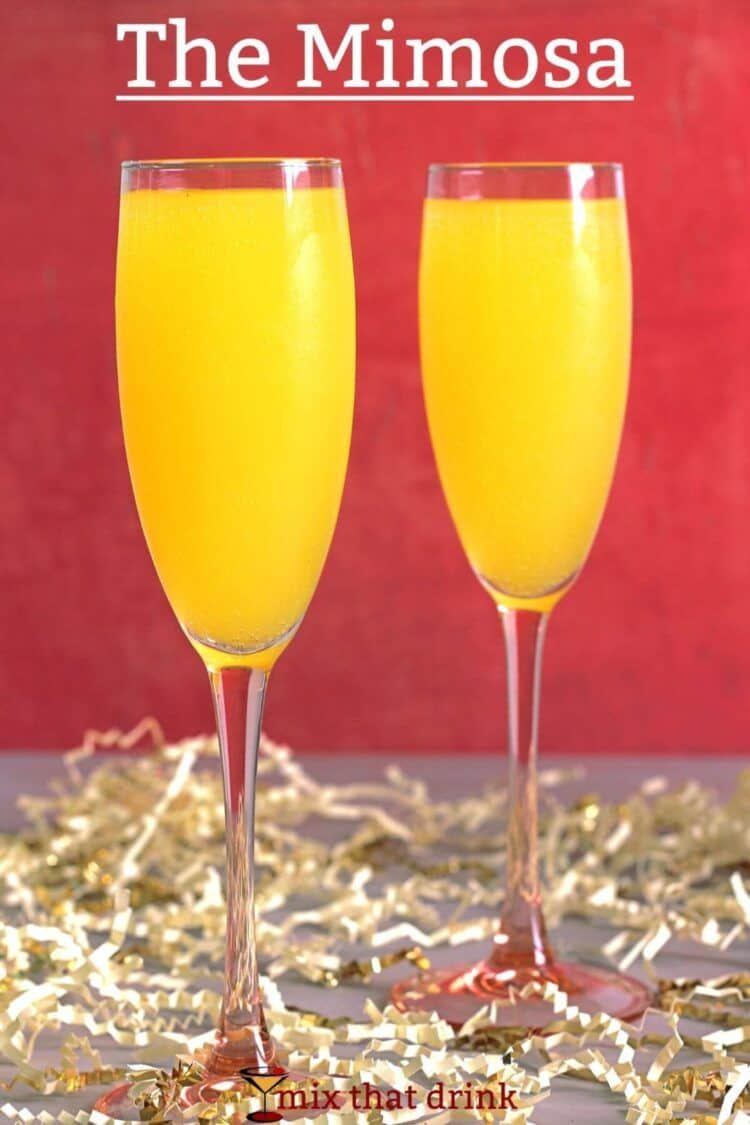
x,y
236,354
525,313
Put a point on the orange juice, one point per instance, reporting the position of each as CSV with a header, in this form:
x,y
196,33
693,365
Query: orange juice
x,y
525,311
235,351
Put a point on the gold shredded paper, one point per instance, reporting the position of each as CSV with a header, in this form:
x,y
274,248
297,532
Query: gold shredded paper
x,y
112,939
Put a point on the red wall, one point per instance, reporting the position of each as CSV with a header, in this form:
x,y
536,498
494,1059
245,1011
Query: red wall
x,y
400,649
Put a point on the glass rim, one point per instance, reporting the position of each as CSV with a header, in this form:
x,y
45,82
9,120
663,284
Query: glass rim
x,y
524,165
176,164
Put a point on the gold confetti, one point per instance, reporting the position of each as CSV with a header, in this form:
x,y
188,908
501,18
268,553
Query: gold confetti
x,y
114,921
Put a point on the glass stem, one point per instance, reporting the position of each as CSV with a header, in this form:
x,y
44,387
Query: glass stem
x,y
522,941
242,1038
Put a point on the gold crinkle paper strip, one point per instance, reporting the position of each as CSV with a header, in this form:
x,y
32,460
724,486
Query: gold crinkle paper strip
x,y
114,916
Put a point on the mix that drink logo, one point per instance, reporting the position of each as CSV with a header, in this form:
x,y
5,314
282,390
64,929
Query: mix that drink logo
x,y
310,1100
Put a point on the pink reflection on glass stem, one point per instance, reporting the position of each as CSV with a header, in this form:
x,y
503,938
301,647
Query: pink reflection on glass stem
x,y
521,952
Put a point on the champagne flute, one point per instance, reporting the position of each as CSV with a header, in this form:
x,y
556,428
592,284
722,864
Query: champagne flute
x,y
236,354
525,322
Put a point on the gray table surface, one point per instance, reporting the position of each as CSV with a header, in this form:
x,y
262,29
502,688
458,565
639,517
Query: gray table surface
x,y
453,775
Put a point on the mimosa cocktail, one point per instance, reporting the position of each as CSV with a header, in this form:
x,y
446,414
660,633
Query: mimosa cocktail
x,y
525,313
235,353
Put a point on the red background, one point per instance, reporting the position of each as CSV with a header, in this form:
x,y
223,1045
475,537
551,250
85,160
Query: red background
x,y
401,649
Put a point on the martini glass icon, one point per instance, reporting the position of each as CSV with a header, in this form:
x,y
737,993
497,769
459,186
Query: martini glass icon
x,y
264,1081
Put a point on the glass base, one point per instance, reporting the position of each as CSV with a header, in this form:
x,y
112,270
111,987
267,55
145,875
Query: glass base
x,y
457,994
319,1096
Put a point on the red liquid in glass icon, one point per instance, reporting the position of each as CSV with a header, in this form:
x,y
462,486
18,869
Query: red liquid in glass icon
x,y
264,1082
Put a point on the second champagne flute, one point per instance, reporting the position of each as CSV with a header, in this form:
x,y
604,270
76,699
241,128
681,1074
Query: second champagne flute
x,y
235,355
525,312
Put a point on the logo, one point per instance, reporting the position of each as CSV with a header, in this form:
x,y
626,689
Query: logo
x,y
312,1101
264,1080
